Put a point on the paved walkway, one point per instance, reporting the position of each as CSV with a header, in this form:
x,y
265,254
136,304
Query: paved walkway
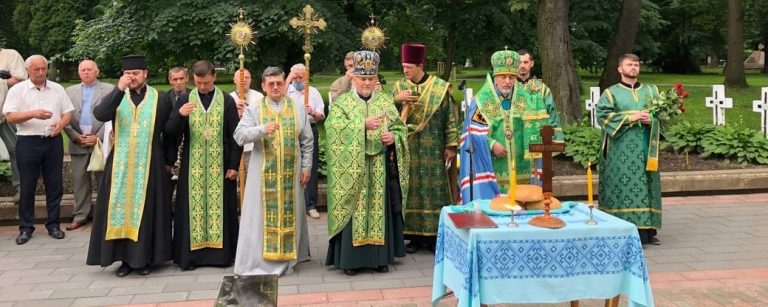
x,y
714,253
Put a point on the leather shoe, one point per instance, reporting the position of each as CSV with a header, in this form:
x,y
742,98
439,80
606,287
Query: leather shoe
x,y
144,271
654,241
350,272
412,247
190,267
123,270
23,237
56,233
382,269
76,224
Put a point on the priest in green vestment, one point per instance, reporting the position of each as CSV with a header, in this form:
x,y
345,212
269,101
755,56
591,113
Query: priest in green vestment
x,y
132,216
630,185
505,117
367,174
273,233
205,221
433,121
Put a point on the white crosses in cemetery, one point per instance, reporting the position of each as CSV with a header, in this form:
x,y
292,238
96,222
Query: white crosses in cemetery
x,y
718,102
761,106
591,104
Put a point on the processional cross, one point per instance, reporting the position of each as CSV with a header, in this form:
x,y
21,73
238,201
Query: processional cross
x,y
546,148
307,23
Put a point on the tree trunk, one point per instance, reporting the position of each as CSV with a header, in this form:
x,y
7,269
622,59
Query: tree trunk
x,y
765,47
734,68
450,44
558,68
623,41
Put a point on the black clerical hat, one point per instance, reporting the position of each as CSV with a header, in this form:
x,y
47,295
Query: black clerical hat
x,y
131,62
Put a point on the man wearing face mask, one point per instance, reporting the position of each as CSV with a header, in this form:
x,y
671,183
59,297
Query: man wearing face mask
x,y
316,112
205,224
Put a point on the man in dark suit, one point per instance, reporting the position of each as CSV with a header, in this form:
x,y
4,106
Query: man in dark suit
x,y
178,79
83,130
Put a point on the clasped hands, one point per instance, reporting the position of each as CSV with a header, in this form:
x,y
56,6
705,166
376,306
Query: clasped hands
x,y
373,123
641,116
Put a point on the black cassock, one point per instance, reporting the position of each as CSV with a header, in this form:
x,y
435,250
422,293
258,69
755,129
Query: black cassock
x,y
176,127
154,244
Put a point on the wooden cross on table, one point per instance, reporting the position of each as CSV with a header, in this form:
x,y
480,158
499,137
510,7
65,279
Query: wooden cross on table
x,y
546,148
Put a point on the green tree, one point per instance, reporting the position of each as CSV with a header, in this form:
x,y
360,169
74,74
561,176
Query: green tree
x,y
734,69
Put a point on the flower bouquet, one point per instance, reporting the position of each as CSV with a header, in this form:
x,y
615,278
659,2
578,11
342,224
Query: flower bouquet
x,y
669,103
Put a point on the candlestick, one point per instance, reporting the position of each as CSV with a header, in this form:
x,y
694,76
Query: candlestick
x,y
512,182
589,183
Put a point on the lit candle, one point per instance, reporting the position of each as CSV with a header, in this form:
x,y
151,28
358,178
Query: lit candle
x,y
589,183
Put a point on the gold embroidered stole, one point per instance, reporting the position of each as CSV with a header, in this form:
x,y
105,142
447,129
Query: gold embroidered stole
x,y
206,176
279,151
132,157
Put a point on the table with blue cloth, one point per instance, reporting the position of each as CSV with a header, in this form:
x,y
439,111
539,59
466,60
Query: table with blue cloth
x,y
529,264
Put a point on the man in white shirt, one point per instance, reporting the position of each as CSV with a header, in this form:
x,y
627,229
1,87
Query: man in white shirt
x,y
40,109
12,71
316,111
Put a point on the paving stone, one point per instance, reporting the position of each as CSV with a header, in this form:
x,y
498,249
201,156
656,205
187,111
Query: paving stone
x,y
117,282
205,294
102,301
191,286
27,273
290,289
118,291
76,293
44,303
24,296
377,284
325,287
164,280
43,279
303,280
72,285
159,297
211,277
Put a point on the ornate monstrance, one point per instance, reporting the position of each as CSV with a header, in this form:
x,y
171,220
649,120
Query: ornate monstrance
x,y
373,37
241,35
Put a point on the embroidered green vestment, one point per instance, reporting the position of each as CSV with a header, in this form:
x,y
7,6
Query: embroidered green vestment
x,y
206,159
357,165
280,151
134,130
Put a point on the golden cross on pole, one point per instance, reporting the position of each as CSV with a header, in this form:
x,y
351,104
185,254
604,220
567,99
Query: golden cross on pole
x,y
241,35
307,23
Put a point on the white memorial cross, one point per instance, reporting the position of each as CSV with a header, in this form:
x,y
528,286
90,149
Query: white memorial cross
x,y
718,102
761,106
591,105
